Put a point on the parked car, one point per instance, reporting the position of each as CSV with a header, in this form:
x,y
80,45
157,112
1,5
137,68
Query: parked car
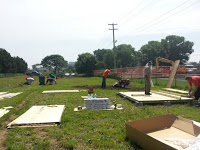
x,y
34,73
73,74
67,74
60,75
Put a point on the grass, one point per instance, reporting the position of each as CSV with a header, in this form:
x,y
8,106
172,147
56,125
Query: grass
x,y
98,129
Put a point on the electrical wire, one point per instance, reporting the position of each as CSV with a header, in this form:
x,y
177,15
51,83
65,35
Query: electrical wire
x,y
160,20
140,12
122,18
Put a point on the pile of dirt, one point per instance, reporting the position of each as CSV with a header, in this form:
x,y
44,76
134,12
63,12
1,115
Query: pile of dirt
x,y
130,88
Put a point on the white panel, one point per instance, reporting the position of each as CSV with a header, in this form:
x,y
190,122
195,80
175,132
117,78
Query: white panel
x,y
40,115
60,91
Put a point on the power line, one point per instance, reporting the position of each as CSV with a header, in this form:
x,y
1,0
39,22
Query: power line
x,y
130,11
142,10
160,20
102,41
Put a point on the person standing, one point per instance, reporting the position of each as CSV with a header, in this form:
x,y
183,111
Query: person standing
x,y
147,77
195,80
106,72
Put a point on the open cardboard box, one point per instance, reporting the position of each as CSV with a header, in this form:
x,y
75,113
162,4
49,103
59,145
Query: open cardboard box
x,y
151,133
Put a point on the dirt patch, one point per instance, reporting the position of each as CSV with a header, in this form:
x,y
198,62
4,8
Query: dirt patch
x,y
130,88
2,138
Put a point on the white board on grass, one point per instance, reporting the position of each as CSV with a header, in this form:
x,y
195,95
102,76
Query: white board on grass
x,y
1,93
9,95
60,91
39,115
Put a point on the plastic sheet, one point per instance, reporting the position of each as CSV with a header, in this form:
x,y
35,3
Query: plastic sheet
x,y
193,144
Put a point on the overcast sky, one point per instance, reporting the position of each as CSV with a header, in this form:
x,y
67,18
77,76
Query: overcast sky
x,y
33,29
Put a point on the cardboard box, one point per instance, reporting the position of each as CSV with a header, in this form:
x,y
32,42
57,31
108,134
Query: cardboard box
x,y
151,133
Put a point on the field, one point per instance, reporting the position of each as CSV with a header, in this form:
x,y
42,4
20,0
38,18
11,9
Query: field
x,y
98,129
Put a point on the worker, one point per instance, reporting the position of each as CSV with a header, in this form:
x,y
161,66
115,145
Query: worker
x,y
29,81
195,80
106,72
51,78
147,77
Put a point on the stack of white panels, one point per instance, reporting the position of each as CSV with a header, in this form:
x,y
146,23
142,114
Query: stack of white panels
x,y
97,103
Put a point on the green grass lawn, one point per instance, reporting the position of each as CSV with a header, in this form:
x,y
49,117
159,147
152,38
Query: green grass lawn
x,y
86,129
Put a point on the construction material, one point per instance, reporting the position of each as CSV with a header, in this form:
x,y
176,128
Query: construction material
x,y
1,93
9,95
4,110
167,94
97,103
172,74
173,71
85,97
157,97
61,91
39,116
175,90
152,133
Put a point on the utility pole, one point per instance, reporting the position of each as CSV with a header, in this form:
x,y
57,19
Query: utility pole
x,y
113,28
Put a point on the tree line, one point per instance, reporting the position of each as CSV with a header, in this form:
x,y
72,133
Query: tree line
x,y
10,64
171,47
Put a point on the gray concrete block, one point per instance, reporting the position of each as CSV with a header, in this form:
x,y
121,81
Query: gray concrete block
x,y
137,104
194,103
167,103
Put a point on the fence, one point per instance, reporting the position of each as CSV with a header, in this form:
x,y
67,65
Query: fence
x,y
4,75
162,72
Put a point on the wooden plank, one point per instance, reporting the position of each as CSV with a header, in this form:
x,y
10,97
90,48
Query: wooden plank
x,y
167,94
39,115
173,73
175,90
154,98
85,97
60,91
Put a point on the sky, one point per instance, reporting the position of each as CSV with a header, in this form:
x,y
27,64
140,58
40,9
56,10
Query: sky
x,y
34,29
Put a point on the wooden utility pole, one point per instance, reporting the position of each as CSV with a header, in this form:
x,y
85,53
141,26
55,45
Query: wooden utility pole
x,y
113,28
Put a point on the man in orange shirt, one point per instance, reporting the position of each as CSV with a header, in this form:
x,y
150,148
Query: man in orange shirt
x,y
106,72
195,80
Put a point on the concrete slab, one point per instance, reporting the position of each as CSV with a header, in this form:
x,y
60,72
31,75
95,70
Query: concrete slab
x,y
156,97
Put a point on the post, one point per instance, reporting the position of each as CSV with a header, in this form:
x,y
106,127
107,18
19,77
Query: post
x,y
113,28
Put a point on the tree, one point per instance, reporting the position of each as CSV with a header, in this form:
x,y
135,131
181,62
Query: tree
x,y
85,63
20,65
34,67
125,55
176,48
100,65
54,62
109,59
99,54
150,51
172,47
5,61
